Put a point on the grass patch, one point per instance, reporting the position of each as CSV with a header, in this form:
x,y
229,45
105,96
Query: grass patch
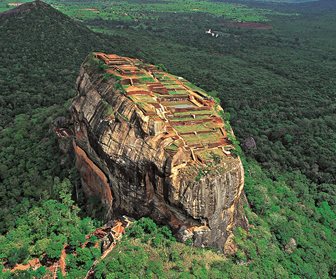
x,y
146,79
196,112
191,128
172,147
210,137
108,109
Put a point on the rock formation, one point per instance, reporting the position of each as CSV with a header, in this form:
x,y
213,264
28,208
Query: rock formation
x,y
148,143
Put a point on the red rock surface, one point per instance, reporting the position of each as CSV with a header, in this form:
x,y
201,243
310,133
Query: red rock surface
x,y
131,150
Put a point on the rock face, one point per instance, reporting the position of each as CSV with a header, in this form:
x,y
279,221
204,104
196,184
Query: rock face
x,y
148,143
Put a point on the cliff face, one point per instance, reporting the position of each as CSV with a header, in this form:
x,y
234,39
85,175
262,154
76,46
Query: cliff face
x,y
148,143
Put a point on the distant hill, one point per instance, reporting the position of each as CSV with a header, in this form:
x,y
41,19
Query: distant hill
x,y
41,53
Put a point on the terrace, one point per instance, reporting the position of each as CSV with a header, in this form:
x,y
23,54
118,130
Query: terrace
x,y
189,115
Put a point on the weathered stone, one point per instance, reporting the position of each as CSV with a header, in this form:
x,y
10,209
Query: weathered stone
x,y
249,143
123,160
290,247
230,247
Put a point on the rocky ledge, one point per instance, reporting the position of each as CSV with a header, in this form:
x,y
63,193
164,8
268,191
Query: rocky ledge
x,y
149,143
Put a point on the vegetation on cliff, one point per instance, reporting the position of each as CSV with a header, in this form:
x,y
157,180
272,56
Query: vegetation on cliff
x,y
148,250
278,215
284,101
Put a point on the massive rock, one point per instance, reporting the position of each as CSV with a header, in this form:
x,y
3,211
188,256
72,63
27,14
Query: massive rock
x,y
148,143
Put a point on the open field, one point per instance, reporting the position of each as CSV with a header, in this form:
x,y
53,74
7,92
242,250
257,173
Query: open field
x,y
138,10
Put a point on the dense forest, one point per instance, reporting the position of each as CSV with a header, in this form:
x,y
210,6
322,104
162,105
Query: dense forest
x,y
41,54
278,85
285,101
